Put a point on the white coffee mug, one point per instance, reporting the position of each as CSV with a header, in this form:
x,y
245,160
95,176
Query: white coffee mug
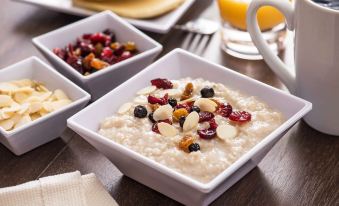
x,y
316,47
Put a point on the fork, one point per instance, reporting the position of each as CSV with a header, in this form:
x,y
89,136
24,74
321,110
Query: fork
x,y
199,34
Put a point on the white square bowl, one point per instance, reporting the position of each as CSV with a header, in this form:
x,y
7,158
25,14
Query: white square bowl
x,y
51,126
175,65
100,82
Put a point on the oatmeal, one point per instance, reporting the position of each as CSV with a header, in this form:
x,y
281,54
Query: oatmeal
x,y
194,126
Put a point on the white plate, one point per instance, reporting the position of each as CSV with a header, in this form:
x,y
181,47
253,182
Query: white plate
x,y
161,24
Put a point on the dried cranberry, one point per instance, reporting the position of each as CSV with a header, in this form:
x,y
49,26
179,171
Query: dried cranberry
x,y
240,116
162,83
106,52
86,48
124,55
70,50
119,50
224,110
98,38
205,116
109,33
76,63
60,53
155,100
155,125
86,36
207,133
213,124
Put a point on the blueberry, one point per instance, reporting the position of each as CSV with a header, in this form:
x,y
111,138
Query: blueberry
x,y
140,111
150,117
195,109
194,147
182,121
207,92
173,102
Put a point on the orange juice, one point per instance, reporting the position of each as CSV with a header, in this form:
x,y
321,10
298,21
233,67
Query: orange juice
x,y
234,13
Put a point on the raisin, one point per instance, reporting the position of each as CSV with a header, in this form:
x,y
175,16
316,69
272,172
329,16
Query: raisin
x,y
187,92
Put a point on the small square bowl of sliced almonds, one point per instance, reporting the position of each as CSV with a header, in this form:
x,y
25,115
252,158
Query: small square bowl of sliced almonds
x,y
35,102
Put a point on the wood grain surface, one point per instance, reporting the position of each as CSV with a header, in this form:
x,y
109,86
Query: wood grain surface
x,y
301,169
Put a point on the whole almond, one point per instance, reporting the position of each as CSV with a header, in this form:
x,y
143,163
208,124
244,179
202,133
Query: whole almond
x,y
206,105
226,131
163,112
167,130
191,121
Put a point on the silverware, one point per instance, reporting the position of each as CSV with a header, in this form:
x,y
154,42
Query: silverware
x,y
200,26
199,34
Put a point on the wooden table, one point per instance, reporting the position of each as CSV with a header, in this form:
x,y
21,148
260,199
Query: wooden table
x,y
302,168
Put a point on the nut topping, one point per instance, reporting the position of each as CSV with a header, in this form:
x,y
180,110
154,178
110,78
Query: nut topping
x,y
225,132
167,130
125,108
163,112
191,121
206,105
147,90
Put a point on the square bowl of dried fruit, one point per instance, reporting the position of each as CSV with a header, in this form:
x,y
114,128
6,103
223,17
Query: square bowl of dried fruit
x,y
99,52
35,102
188,128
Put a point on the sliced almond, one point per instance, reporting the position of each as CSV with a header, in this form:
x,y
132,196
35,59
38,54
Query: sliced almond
x,y
7,87
167,130
8,112
5,115
35,116
35,107
46,107
226,132
188,100
7,124
27,90
60,103
147,90
41,88
23,83
5,101
23,108
44,112
20,97
33,99
24,120
163,112
170,92
59,94
191,121
125,108
206,105
45,95
140,100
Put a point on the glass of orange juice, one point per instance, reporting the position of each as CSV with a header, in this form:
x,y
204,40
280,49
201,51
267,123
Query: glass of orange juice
x,y
236,41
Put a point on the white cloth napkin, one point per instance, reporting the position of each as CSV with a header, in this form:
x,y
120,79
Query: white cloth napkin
x,y
70,189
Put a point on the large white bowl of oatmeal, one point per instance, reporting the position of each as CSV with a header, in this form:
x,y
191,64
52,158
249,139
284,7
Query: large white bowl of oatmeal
x,y
188,128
